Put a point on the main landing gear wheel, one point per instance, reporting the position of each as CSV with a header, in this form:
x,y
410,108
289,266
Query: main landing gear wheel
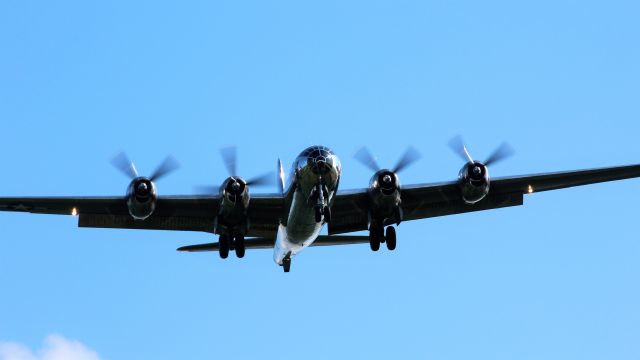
x,y
376,233
239,242
224,246
391,238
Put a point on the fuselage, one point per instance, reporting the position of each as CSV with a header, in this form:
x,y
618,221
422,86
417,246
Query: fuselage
x,y
313,183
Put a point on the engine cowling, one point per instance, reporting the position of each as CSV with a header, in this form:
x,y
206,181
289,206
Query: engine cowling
x,y
234,195
474,182
142,198
384,194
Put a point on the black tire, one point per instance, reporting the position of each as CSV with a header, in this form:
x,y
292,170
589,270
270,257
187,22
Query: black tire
x,y
391,238
327,214
318,214
374,239
240,246
224,246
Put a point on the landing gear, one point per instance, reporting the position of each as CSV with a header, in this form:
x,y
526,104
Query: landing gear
x,y
327,214
320,207
321,211
229,243
224,246
377,236
286,263
239,245
391,238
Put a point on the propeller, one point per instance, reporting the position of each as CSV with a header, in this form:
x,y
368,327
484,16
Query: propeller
x,y
501,153
280,177
123,163
365,157
230,157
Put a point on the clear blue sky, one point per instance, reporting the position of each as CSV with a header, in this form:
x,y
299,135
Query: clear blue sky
x,y
554,279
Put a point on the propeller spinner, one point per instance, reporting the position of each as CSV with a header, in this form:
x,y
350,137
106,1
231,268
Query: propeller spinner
x,y
387,179
474,176
142,193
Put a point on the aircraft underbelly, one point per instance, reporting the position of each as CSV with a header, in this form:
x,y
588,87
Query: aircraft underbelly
x,y
301,225
301,230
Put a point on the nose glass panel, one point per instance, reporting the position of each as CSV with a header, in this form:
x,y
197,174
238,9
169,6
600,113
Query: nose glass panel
x,y
319,158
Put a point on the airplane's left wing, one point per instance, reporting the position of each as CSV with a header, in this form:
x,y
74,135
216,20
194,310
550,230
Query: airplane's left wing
x,y
351,208
184,213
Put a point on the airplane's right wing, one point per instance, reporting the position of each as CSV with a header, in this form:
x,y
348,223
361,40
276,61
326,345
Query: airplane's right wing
x,y
174,213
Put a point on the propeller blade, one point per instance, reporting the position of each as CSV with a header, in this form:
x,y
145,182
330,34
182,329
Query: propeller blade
x,y
410,156
457,145
262,180
125,165
169,165
365,158
280,177
230,156
502,152
210,190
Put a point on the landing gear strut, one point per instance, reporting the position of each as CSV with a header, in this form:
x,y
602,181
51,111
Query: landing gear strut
x,y
321,209
286,263
318,210
327,214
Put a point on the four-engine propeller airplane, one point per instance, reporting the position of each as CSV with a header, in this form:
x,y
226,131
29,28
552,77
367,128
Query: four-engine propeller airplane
x,y
292,219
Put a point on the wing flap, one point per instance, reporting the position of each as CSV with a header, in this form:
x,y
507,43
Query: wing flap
x,y
176,223
414,210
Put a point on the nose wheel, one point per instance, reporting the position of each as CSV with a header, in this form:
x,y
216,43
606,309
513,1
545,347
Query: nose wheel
x,y
378,236
286,263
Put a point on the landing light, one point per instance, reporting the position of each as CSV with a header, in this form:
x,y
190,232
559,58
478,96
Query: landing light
x,y
530,190
74,212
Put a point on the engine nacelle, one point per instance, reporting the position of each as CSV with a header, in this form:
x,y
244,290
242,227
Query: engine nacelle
x,y
142,198
385,197
234,201
474,182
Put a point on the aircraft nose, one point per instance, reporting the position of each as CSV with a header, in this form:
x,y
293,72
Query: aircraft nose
x,y
319,164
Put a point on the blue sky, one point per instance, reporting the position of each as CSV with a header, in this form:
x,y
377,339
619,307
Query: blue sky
x,y
554,279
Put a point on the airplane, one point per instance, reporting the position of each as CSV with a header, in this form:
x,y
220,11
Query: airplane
x,y
292,219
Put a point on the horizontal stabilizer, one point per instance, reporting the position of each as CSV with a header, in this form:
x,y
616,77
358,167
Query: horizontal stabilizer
x,y
266,243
